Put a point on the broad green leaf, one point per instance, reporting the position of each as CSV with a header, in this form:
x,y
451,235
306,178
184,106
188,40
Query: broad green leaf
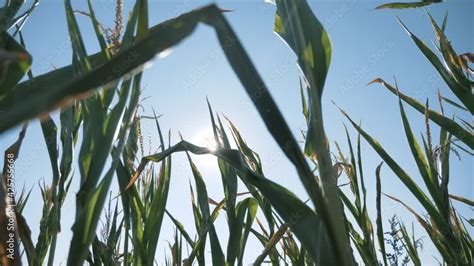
x,y
50,134
15,62
306,36
142,24
296,24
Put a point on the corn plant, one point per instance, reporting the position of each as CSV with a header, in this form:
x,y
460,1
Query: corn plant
x,y
364,243
443,225
92,74
98,96
9,240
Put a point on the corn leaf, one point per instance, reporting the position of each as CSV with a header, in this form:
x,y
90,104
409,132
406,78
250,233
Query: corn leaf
x,y
296,24
410,245
444,122
7,203
404,177
8,13
460,88
403,5
15,62
299,216
380,232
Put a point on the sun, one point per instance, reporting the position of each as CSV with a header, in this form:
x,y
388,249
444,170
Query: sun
x,y
205,138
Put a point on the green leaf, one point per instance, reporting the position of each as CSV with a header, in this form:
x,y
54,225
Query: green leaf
x,y
180,227
404,177
269,244
142,25
238,238
98,31
296,24
252,207
29,101
460,88
448,124
91,198
297,214
199,247
8,13
462,199
451,102
306,36
78,47
254,163
410,245
11,155
380,232
228,174
435,235
431,182
87,220
154,217
403,5
453,62
203,201
15,62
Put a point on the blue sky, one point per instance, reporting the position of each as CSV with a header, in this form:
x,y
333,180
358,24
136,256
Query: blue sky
x,y
366,44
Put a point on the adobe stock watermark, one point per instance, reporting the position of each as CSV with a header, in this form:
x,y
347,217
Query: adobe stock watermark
x,y
361,72
10,206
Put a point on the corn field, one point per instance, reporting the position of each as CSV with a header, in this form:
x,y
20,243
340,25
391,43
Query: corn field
x,y
91,117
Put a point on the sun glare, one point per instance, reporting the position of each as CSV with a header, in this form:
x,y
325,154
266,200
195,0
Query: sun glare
x,y
205,138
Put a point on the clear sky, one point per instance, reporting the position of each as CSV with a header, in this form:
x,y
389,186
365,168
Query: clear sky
x,y
366,44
